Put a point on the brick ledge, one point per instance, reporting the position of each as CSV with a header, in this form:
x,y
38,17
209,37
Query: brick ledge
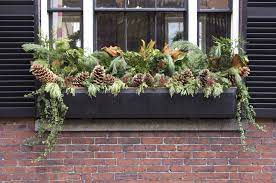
x,y
106,125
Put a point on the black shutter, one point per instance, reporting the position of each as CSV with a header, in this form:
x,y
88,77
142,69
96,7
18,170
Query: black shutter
x,y
261,48
17,26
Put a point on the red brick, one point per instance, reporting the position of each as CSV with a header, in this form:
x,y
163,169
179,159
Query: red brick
x,y
76,147
151,162
104,155
204,154
177,168
166,148
83,140
136,155
203,169
106,140
193,148
158,169
144,147
129,140
152,140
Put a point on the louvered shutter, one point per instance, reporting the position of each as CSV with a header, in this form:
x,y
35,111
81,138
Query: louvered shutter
x,y
17,26
261,48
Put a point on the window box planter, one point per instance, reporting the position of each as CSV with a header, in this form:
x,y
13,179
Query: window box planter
x,y
154,103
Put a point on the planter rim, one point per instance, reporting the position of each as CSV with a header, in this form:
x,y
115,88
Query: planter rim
x,y
150,90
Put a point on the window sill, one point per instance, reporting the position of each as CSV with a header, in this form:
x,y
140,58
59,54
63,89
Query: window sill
x,y
147,125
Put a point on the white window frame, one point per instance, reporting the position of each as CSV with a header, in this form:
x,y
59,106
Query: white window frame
x,y
88,22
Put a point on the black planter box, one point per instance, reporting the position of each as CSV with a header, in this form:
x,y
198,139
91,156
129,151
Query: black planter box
x,y
152,104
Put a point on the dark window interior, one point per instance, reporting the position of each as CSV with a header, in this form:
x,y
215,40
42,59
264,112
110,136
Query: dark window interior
x,y
125,23
213,25
214,20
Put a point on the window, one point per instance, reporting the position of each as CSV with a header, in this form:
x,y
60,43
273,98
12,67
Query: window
x,y
126,22
214,20
65,19
94,24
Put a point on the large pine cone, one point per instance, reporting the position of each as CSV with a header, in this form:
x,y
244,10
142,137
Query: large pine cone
x,y
185,76
205,78
109,79
98,74
149,79
137,80
79,79
43,74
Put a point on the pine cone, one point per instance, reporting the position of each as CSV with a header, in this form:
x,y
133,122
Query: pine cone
x,y
98,74
244,72
206,78
69,81
160,80
43,74
127,79
149,79
137,80
185,76
78,80
109,79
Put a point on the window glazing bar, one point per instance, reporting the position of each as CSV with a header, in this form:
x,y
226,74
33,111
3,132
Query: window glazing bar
x,y
192,21
88,29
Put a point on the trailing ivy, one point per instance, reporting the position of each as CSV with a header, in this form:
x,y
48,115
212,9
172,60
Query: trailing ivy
x,y
52,111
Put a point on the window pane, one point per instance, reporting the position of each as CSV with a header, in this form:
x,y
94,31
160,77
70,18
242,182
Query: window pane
x,y
213,25
110,3
141,3
110,30
171,3
67,25
65,3
170,27
139,26
214,4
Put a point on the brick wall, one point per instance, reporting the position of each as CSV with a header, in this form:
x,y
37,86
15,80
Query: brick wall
x,y
138,156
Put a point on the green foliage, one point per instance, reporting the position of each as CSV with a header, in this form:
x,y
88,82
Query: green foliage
x,y
191,88
170,66
156,62
214,90
117,87
193,58
141,88
103,58
118,67
92,89
223,52
136,61
89,62
54,90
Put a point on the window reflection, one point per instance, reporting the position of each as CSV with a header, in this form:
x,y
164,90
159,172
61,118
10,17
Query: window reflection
x,y
171,3
110,30
161,27
141,3
65,3
67,25
214,4
212,25
110,3
140,26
